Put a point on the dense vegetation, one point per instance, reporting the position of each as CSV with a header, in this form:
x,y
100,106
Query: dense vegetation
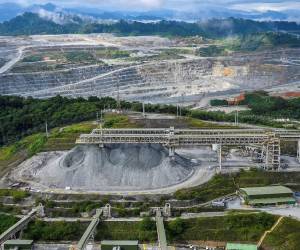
x,y
251,42
234,227
30,24
144,230
16,194
25,116
6,221
261,103
285,236
55,231
20,116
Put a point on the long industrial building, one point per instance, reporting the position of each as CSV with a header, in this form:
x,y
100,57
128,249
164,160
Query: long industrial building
x,y
268,195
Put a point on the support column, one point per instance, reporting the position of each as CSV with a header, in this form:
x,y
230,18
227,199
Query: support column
x,y
171,151
298,150
20,234
167,210
144,114
107,211
272,161
40,210
220,157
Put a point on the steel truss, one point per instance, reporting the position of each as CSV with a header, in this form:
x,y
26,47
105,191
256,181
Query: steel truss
x,y
172,138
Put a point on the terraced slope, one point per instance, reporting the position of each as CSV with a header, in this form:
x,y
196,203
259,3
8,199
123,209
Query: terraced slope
x,y
163,79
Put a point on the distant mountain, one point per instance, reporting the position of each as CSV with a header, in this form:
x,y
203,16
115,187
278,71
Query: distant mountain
x,y
32,23
203,12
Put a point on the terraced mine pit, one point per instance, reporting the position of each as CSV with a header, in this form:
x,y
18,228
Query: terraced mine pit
x,y
114,167
103,65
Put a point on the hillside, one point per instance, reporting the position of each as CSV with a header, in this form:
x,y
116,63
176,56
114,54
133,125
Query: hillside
x,y
251,42
31,24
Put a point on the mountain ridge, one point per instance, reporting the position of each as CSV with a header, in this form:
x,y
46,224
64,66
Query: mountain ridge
x,y
10,10
33,24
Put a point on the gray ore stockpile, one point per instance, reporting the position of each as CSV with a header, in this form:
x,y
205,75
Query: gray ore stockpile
x,y
114,167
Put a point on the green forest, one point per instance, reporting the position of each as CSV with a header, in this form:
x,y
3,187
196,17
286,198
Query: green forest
x,y
261,103
250,42
25,116
31,24
20,116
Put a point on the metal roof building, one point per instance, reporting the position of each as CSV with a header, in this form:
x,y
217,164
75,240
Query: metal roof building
x,y
268,195
119,244
18,244
237,246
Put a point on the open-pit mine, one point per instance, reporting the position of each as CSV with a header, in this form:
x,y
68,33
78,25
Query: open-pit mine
x,y
152,69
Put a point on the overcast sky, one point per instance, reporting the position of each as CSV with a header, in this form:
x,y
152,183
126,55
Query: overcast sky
x,y
245,5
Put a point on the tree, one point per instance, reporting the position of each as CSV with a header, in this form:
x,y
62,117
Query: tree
x,y
176,226
147,224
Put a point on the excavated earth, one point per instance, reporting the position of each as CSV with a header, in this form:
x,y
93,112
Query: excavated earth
x,y
114,167
133,79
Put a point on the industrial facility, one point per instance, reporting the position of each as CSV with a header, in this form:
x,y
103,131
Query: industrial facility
x,y
268,195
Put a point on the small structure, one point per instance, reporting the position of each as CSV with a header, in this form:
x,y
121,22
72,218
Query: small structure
x,y
18,244
119,245
238,246
268,195
107,211
167,210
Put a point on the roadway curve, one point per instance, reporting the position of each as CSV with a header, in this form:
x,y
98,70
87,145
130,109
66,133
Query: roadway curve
x,y
13,61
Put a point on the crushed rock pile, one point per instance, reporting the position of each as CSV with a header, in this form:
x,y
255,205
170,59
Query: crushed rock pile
x,y
114,167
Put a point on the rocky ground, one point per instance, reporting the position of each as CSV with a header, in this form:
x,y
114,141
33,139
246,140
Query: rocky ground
x,y
123,169
151,69
115,167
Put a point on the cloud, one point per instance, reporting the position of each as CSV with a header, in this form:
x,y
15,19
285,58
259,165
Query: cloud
x,y
180,5
267,6
55,17
140,4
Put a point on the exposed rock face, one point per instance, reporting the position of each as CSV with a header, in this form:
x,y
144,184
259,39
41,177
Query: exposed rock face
x,y
159,80
115,167
22,83
138,77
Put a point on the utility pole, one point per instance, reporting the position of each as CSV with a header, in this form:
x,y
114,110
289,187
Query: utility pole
x,y
220,157
144,114
46,127
118,96
236,118
101,121
97,118
101,116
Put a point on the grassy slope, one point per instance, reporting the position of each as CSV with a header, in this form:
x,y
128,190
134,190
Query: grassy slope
x,y
235,227
285,237
11,156
59,139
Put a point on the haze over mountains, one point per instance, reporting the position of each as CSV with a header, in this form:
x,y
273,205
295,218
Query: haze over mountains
x,y
202,11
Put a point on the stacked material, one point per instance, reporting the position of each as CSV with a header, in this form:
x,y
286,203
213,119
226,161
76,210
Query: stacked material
x,y
114,167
